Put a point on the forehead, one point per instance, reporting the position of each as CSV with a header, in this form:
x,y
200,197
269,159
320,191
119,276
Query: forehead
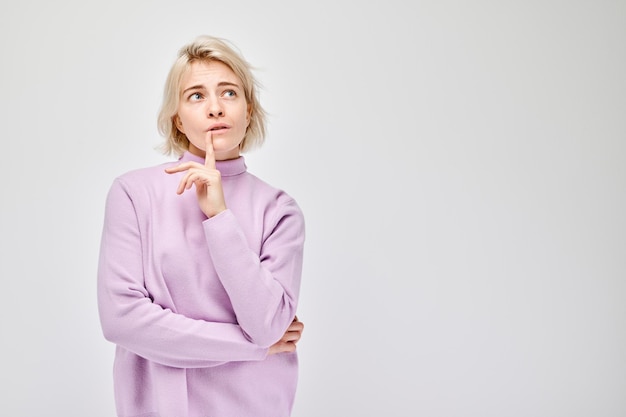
x,y
208,73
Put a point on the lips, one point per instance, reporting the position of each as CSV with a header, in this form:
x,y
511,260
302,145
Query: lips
x,y
218,127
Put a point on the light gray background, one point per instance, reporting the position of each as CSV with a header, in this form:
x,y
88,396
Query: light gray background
x,y
462,168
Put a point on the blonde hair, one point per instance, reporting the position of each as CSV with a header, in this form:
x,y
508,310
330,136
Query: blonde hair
x,y
208,48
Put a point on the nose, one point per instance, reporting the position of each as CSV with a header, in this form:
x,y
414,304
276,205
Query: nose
x,y
214,108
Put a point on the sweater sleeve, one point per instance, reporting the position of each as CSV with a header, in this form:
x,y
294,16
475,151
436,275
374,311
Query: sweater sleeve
x,y
263,289
129,317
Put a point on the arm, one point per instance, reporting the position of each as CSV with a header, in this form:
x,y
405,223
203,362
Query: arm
x,y
130,319
263,289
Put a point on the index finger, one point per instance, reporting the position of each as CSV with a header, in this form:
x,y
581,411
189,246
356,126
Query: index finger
x,y
209,158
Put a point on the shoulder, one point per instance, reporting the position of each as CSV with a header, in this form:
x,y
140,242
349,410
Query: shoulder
x,y
270,192
276,204
144,176
142,181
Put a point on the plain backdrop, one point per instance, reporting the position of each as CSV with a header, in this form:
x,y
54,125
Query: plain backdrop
x,y
461,166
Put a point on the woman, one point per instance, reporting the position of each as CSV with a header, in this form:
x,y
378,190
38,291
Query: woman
x,y
201,261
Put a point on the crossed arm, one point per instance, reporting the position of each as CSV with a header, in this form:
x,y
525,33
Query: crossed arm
x,y
130,319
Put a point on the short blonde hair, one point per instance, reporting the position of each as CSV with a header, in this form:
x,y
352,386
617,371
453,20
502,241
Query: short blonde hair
x,y
208,48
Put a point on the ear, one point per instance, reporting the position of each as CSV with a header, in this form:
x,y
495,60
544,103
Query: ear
x,y
248,115
178,123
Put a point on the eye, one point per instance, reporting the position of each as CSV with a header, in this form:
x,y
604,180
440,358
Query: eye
x,y
195,97
229,93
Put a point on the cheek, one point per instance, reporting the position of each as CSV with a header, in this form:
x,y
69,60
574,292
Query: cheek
x,y
185,123
245,119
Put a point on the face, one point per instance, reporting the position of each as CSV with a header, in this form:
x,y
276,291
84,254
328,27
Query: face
x,y
213,100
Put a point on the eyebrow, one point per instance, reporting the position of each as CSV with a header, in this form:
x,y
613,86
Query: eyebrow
x,y
220,84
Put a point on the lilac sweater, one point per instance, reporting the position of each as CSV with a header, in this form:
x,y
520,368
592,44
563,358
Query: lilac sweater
x,y
193,303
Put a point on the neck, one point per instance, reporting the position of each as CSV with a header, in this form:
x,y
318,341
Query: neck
x,y
219,156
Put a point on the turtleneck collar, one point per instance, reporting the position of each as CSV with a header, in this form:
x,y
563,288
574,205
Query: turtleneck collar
x,y
227,168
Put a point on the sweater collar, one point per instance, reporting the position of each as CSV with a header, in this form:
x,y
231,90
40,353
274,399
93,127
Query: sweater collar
x,y
227,168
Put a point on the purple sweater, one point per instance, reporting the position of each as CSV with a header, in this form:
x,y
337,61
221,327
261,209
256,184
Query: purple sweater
x,y
193,303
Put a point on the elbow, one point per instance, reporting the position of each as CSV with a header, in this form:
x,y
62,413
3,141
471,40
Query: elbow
x,y
271,331
263,336
110,336
264,340
111,331
117,316
114,327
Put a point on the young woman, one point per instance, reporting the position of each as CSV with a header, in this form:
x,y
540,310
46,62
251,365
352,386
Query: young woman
x,y
201,261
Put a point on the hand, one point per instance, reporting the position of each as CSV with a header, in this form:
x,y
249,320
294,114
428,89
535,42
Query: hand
x,y
288,342
206,178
